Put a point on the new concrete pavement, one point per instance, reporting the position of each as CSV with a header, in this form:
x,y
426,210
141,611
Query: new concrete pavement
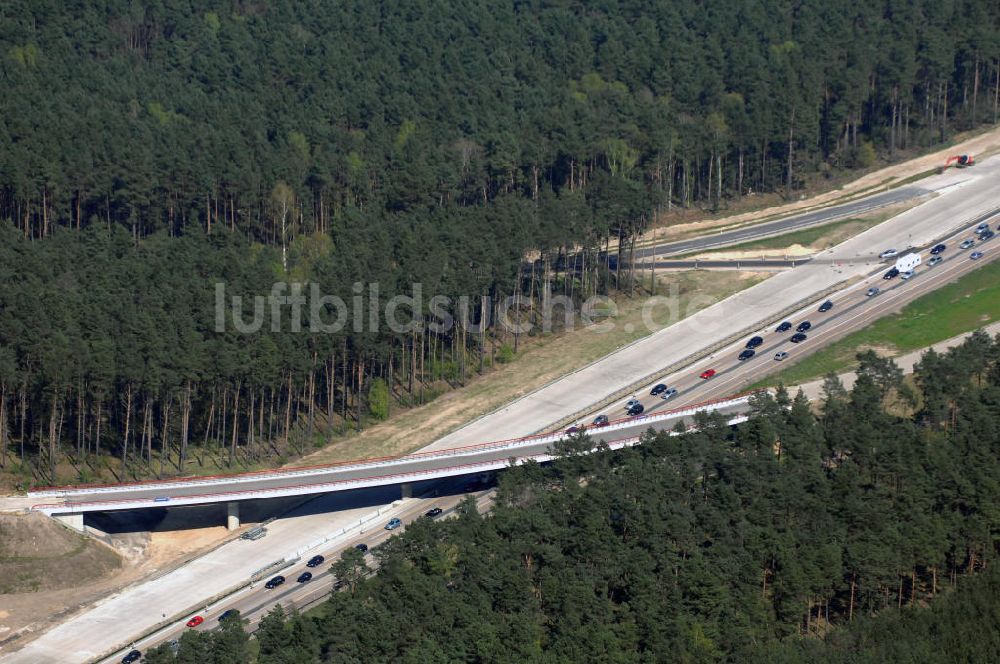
x,y
963,196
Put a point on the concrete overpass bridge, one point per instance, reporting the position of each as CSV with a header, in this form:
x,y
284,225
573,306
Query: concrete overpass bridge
x,y
70,504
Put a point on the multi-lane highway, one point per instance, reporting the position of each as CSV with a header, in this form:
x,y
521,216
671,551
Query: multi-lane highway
x,y
340,477
963,197
255,601
852,309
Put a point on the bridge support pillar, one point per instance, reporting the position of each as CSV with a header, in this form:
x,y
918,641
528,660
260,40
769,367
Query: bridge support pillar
x,y
74,521
406,490
232,515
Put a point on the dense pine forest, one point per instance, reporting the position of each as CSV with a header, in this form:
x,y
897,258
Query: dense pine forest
x,y
798,536
151,149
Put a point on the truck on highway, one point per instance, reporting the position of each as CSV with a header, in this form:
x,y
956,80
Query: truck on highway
x,y
908,262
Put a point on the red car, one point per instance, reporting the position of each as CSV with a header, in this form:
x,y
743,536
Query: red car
x,y
194,622
708,373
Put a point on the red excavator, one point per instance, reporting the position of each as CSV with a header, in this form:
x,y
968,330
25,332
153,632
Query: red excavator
x,y
960,161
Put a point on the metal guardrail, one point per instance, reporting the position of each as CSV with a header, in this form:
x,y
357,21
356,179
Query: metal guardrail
x,y
276,566
511,443
490,464
694,357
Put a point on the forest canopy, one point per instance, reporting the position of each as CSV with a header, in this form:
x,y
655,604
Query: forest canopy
x,y
798,536
151,149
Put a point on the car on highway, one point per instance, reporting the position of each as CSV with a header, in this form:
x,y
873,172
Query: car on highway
x,y
274,582
982,227
987,235
938,248
658,389
803,326
780,355
304,577
934,261
891,274
826,306
631,402
315,561
669,394
906,276
976,255
796,338
707,373
784,327
573,429
872,292
433,512
363,548
229,613
194,622
747,354
132,656
393,524
754,342
888,253
636,410
601,420
967,244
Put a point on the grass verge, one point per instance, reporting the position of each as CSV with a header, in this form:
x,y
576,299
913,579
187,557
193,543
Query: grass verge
x,y
961,306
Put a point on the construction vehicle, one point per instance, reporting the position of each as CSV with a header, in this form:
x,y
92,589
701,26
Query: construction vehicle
x,y
960,161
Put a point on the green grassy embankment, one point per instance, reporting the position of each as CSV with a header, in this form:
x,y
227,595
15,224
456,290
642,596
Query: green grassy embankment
x,y
961,306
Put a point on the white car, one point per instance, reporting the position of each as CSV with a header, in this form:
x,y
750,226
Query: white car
x,y
888,253
967,244
906,275
935,260
779,356
872,292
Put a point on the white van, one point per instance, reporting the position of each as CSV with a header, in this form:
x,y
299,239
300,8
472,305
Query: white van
x,y
908,262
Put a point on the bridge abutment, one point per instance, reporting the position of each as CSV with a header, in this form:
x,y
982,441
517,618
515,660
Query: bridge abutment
x,y
74,521
406,490
232,515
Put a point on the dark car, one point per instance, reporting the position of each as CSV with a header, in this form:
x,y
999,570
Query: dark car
x,y
891,274
803,326
753,342
746,355
361,547
573,429
658,389
305,576
796,338
274,582
938,248
132,656
988,235
315,561
229,613
826,306
433,512
635,410
600,420
784,327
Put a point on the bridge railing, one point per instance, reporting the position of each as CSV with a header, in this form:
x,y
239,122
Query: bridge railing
x,y
512,443
293,489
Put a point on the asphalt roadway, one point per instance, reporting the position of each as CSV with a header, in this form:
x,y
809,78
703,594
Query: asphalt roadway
x,y
346,472
852,310
962,197
784,224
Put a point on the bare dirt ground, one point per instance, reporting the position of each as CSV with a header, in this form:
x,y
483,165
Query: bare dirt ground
x,y
546,359
50,572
